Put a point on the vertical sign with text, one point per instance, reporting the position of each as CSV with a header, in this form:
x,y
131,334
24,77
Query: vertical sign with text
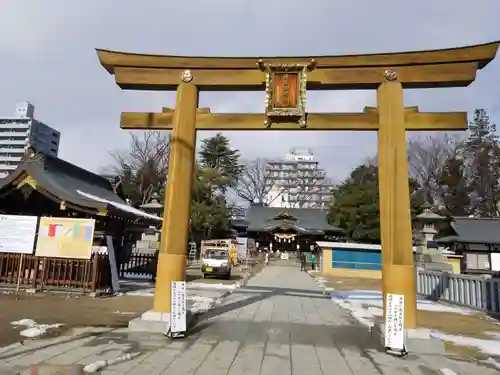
x,y
394,321
178,307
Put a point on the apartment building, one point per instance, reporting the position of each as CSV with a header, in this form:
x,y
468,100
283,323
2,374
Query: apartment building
x,y
297,181
20,131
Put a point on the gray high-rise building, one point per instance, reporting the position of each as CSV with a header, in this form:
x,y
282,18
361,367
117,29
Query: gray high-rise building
x,y
21,131
296,181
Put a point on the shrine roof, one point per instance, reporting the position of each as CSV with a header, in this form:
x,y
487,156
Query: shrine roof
x,y
481,53
307,220
63,181
473,230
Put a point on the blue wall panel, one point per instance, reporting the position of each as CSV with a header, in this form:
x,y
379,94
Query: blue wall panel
x,y
357,259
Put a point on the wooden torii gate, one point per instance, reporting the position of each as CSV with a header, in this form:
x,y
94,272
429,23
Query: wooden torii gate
x,y
286,81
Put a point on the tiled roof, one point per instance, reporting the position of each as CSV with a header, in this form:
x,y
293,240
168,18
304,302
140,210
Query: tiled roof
x,y
473,230
72,184
261,218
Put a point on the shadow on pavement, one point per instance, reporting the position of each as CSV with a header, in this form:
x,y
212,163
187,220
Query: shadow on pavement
x,y
261,293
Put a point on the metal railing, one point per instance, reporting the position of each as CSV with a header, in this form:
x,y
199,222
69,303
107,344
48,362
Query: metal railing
x,y
480,292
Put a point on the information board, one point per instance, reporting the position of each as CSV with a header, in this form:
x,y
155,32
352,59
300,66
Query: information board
x,y
62,237
394,321
178,307
17,234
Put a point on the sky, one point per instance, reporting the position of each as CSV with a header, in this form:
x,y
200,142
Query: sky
x,y
47,57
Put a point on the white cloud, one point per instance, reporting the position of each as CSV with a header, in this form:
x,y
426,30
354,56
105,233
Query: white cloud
x,y
47,56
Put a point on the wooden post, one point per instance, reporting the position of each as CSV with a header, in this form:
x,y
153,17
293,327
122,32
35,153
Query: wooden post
x,y
175,229
398,274
19,273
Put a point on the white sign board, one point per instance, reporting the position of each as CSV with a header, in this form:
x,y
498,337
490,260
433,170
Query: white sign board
x,y
178,307
495,261
394,321
17,233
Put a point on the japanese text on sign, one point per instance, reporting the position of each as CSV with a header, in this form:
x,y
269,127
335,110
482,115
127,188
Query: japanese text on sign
x,y
178,307
394,321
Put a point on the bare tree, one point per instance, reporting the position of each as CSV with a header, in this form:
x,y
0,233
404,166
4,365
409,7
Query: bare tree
x,y
255,182
143,165
426,158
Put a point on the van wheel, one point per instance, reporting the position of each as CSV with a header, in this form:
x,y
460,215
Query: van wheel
x,y
228,276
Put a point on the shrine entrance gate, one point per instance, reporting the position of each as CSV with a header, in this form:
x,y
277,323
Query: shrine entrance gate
x,y
286,81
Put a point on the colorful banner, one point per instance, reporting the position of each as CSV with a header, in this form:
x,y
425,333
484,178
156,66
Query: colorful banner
x,y
60,237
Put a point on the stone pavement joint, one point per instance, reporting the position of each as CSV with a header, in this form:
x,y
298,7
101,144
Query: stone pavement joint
x,y
280,322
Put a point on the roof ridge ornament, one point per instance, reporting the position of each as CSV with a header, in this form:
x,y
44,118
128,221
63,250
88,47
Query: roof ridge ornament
x,y
32,156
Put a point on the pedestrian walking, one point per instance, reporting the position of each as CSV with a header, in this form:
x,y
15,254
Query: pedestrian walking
x,y
302,261
266,258
313,261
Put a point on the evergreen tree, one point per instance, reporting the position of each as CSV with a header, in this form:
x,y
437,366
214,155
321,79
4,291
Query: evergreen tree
x,y
454,187
355,204
209,214
217,154
482,150
418,197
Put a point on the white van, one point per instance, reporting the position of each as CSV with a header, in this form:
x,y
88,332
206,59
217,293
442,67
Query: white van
x,y
216,262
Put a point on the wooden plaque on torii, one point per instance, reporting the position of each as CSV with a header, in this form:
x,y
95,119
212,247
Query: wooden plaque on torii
x,y
285,81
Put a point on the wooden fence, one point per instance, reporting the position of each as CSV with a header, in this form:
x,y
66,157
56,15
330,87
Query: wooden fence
x,y
39,273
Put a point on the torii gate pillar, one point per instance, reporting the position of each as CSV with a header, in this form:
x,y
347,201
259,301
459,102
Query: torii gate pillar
x,y
398,273
175,229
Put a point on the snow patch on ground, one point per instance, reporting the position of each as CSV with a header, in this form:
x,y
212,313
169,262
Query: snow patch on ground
x,y
214,286
368,304
365,305
32,328
148,290
491,347
96,366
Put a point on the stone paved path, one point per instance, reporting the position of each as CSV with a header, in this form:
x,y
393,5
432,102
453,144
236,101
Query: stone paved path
x,y
279,323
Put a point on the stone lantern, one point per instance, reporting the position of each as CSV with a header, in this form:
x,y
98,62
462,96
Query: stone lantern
x,y
153,207
428,254
151,239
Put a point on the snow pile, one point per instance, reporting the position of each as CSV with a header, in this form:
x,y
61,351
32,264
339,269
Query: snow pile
x,y
202,304
32,328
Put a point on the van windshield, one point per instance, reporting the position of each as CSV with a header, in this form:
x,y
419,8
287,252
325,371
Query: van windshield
x,y
215,254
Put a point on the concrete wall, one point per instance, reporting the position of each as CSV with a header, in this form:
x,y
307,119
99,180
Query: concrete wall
x,y
455,263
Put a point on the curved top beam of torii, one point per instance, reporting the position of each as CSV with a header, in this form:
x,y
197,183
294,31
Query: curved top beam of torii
x,y
452,67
